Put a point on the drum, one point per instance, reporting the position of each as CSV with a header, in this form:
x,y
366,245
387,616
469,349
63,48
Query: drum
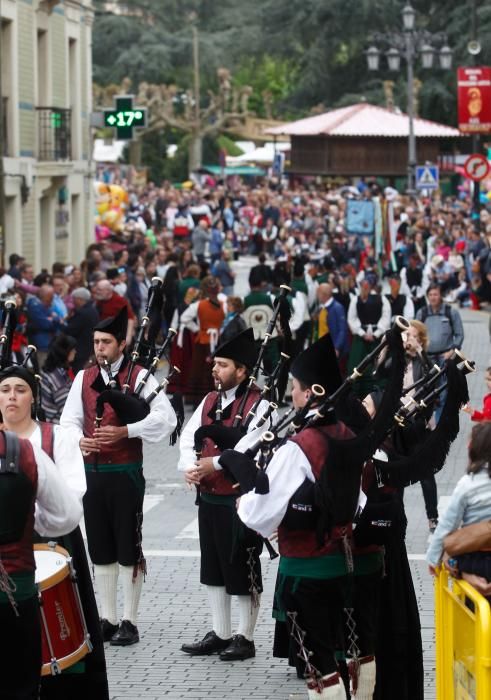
x,y
65,639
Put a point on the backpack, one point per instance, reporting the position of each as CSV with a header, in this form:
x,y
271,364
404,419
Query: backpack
x,y
446,310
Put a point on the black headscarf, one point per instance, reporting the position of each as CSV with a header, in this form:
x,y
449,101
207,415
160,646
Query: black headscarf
x,y
21,373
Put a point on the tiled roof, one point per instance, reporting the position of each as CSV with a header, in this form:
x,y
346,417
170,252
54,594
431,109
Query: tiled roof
x,y
363,119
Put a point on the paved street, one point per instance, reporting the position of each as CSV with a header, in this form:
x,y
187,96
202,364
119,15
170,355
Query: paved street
x,y
174,607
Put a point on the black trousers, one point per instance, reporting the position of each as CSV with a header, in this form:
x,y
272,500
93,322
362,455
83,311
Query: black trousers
x,y
320,607
113,506
430,496
20,657
227,547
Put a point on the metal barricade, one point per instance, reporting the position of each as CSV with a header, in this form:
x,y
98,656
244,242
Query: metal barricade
x,y
463,640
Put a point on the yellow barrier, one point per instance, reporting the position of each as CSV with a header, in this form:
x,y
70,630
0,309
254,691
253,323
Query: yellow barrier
x,y
463,640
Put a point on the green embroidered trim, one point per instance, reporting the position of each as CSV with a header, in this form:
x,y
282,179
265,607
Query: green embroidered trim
x,y
131,466
218,500
25,587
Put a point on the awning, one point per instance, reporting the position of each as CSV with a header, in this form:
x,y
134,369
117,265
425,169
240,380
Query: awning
x,y
242,170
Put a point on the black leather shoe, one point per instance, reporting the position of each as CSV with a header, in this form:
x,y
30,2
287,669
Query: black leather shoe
x,y
210,644
108,629
239,649
126,634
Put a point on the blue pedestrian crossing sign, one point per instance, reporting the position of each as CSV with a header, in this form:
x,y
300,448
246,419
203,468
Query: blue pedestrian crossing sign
x,y
427,177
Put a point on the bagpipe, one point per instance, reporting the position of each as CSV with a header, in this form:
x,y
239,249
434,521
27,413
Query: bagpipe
x,y
226,437
29,361
249,471
416,450
281,311
131,406
8,327
430,386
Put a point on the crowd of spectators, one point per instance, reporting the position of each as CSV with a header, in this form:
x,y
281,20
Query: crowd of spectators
x,y
301,237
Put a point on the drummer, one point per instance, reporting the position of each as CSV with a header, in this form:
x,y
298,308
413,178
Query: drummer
x,y
37,496
18,399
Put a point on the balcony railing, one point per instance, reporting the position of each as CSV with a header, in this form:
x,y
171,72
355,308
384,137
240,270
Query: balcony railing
x,y
54,129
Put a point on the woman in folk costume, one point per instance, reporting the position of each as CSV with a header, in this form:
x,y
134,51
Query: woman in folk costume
x,y
205,318
410,453
18,398
181,352
368,318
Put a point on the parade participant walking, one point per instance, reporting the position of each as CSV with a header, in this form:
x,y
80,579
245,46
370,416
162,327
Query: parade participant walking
x,y
18,394
412,281
331,318
314,587
115,483
368,318
32,494
226,563
205,318
400,304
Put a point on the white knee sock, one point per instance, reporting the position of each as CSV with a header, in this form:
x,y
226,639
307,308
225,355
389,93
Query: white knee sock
x,y
366,679
333,690
247,616
219,601
132,589
106,579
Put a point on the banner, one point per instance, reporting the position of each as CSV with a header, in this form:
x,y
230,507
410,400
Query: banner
x,y
474,96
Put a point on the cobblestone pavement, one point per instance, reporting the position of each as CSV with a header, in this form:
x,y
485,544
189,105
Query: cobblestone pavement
x,y
174,608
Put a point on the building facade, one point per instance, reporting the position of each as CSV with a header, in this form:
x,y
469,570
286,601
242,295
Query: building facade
x,y
46,88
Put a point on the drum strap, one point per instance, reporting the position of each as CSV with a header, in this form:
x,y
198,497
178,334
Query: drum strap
x,y
10,462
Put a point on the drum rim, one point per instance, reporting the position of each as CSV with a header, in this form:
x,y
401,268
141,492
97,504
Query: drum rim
x,y
59,575
65,662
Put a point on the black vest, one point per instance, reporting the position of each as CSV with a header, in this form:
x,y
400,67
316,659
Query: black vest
x,y
397,305
414,276
369,311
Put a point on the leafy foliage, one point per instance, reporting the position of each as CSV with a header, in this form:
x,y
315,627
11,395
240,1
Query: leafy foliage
x,y
295,54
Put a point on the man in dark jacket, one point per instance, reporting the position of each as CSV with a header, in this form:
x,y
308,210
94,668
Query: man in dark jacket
x,y
81,324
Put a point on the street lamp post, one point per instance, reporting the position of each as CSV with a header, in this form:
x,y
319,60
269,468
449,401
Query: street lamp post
x,y
409,42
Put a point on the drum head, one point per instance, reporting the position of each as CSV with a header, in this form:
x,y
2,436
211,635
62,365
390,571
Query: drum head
x,y
51,566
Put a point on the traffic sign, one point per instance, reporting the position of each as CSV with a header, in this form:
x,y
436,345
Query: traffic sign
x,y
125,117
427,177
477,167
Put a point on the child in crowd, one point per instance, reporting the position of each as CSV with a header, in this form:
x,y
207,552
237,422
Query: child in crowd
x,y
485,412
470,503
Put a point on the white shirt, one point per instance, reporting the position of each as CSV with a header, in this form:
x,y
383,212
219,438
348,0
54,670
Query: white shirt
x,y
58,510
67,457
300,312
160,422
355,323
187,456
287,470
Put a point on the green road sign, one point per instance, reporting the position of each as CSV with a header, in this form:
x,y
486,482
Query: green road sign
x,y
124,117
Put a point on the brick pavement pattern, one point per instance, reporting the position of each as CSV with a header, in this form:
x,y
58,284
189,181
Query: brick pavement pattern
x,y
174,607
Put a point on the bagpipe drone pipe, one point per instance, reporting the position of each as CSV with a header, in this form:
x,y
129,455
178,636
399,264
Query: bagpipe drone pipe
x,y
131,407
9,319
337,490
226,437
412,451
417,450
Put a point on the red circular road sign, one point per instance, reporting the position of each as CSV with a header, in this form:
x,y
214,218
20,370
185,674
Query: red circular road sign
x,y
477,167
